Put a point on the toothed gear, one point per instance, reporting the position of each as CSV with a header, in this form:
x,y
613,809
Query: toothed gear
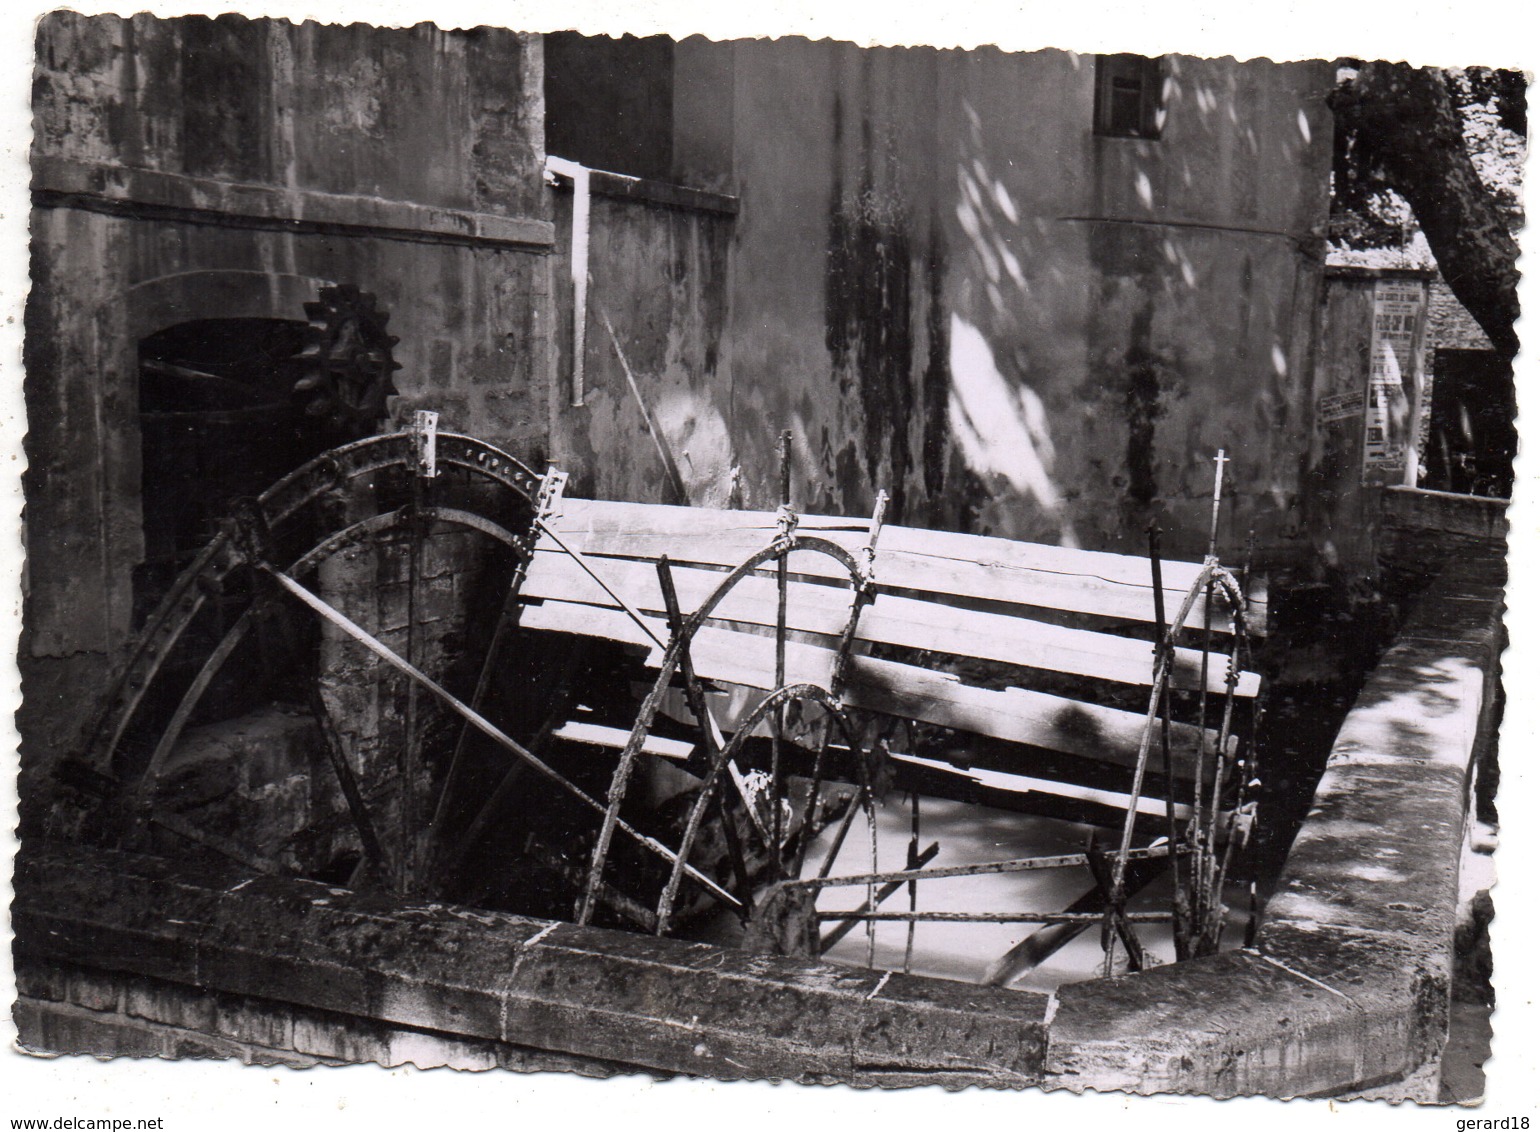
x,y
347,361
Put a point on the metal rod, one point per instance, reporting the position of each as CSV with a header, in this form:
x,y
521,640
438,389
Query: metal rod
x,y
1135,790
1101,871
810,808
1180,912
1213,523
1221,766
835,935
577,556
864,594
407,763
787,523
992,917
1042,944
1217,867
336,752
871,888
1161,643
785,452
696,698
987,868
912,862
839,839
1197,828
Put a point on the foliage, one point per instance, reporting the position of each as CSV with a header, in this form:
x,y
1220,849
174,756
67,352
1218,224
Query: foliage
x,y
1370,216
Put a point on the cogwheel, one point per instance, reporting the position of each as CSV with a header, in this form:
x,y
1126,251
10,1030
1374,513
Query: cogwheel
x,y
347,361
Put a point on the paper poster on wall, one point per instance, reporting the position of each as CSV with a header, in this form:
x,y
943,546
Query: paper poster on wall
x,y
1335,408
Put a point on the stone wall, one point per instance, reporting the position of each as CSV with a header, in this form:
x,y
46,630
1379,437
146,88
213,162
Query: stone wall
x,y
117,951
105,1013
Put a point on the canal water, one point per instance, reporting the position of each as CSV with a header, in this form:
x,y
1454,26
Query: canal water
x,y
971,834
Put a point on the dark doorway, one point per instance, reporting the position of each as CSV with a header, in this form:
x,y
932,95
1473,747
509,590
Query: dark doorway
x,y
1471,435
218,422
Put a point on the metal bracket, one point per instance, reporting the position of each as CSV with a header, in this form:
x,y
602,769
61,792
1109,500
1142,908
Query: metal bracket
x,y
425,441
548,501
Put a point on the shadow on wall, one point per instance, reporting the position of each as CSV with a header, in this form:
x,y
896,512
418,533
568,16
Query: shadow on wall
x,y
1001,428
1030,329
1099,359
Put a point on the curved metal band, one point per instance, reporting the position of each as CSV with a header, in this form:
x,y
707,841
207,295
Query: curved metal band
x,y
276,505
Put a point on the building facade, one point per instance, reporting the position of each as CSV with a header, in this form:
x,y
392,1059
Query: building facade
x,y
1029,295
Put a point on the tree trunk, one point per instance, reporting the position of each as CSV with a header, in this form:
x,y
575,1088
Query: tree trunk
x,y
1407,129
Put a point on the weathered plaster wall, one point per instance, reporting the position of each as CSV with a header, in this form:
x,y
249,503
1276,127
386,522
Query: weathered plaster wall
x,y
308,106
658,276
948,287
1343,513
195,168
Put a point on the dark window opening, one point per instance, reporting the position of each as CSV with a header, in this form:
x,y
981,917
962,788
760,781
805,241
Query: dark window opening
x,y
1471,436
1130,96
217,423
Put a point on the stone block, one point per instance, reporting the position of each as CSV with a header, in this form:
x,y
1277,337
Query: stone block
x,y
433,1051
170,1003
57,1028
340,1038
270,1025
48,982
91,991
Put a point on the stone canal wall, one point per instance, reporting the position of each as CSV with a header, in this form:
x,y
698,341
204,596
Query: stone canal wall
x,y
1347,988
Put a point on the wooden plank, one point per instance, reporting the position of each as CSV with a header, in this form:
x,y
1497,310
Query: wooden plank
x,y
891,619
1020,784
1106,809
1016,715
971,566
598,735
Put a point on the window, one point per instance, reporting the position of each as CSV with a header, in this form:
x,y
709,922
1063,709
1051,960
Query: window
x,y
1130,96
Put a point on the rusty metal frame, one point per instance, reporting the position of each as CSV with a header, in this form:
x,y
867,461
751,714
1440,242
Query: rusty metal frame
x,y
1195,913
